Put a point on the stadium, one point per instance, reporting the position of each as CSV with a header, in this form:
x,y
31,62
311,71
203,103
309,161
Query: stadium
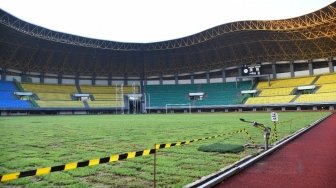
x,y
66,98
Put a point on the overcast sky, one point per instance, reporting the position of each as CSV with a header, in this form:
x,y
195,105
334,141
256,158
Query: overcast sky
x,y
150,20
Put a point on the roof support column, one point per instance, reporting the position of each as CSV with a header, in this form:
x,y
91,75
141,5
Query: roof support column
x,y
3,74
93,79
176,79
274,70
77,79
59,78
291,68
109,79
192,80
239,74
330,63
161,79
310,68
208,77
42,75
125,79
23,76
223,76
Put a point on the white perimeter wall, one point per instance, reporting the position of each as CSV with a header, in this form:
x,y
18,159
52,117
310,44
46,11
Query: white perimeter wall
x,y
321,70
50,80
101,82
200,81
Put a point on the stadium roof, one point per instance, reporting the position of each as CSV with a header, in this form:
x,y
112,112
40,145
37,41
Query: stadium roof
x,y
147,21
31,48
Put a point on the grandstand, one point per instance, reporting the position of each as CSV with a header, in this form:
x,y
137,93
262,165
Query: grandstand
x,y
48,72
293,52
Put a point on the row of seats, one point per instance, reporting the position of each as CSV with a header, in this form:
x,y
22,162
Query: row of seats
x,y
281,91
325,79
327,88
292,82
215,94
270,100
51,95
276,91
8,99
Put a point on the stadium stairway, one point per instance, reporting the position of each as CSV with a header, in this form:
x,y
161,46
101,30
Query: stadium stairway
x,y
294,99
86,105
79,90
316,78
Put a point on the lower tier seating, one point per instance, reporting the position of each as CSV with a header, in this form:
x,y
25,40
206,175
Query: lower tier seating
x,y
15,104
270,100
318,97
60,104
105,104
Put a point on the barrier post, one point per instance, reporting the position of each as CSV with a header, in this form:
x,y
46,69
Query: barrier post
x,y
155,148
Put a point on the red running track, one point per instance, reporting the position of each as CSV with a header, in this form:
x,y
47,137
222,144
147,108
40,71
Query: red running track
x,y
307,162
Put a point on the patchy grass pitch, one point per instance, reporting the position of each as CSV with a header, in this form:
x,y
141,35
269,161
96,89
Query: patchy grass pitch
x,y
33,142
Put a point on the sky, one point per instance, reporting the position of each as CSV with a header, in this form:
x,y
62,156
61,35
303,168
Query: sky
x,y
145,21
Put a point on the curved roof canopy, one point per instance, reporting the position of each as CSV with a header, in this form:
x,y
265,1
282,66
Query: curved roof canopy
x,y
148,21
31,48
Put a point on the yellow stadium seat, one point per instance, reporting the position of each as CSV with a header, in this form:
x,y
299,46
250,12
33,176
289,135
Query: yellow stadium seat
x,y
319,97
109,89
60,104
326,88
49,88
324,79
106,104
276,91
291,82
270,100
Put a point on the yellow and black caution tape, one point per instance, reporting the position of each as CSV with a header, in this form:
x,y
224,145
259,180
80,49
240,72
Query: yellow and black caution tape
x,y
168,145
110,159
274,133
71,166
249,136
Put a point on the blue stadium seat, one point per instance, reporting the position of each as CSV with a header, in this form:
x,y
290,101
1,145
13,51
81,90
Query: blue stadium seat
x,y
8,99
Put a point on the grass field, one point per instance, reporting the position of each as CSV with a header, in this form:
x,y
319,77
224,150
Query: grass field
x,y
33,142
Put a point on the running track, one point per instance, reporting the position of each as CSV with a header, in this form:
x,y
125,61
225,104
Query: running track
x,y
307,162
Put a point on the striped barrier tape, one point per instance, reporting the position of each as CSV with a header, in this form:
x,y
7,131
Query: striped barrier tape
x,y
71,166
249,136
274,133
110,159
168,145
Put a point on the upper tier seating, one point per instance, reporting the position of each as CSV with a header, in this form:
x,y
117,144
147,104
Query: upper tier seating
x,y
49,88
54,96
108,96
7,86
215,94
8,99
291,82
108,89
328,78
276,91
